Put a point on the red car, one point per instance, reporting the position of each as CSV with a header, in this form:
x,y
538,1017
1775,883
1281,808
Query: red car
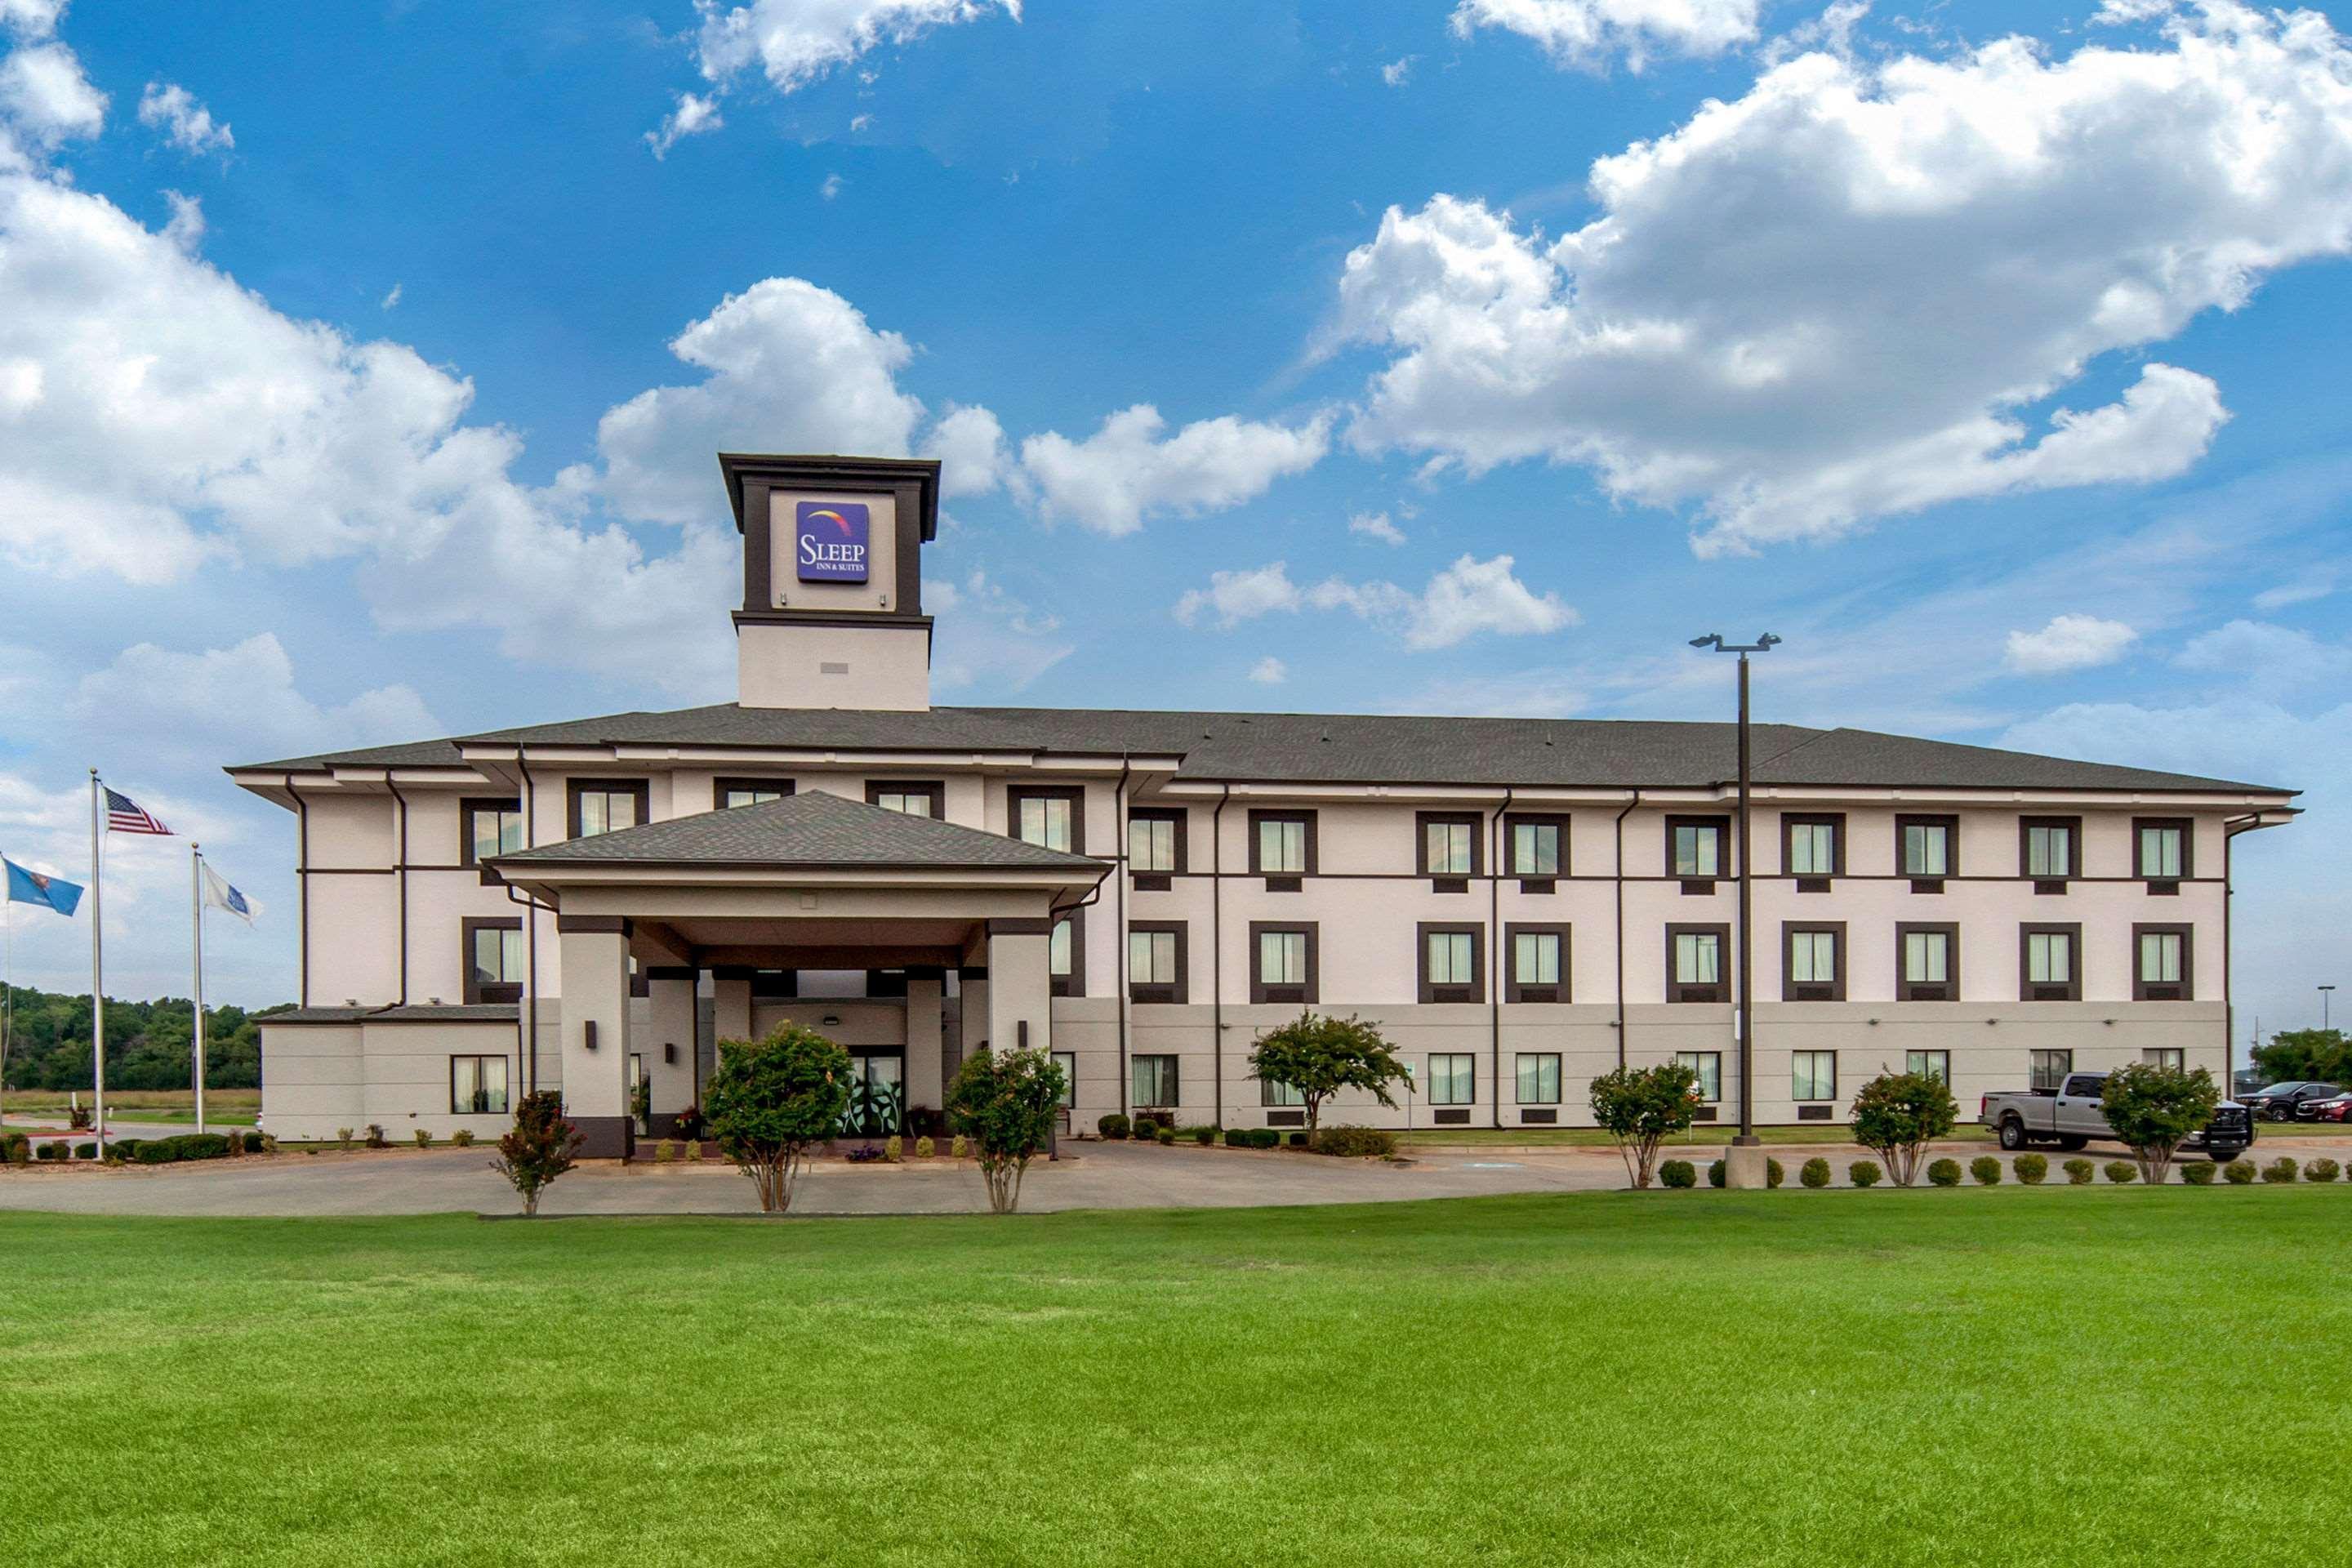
x,y
2334,1110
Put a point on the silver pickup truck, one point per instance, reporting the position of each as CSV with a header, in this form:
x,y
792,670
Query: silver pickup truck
x,y
2071,1116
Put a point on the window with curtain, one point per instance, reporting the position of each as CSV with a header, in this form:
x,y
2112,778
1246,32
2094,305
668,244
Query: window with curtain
x,y
1534,957
1453,1079
1927,957
1812,957
2050,957
1152,844
2170,1056
2159,851
1282,958
493,828
477,1086
1539,1078
1813,1075
1812,848
2049,1069
1152,1083
1068,1062
1937,1065
1698,958
1926,850
1708,1065
1698,849
1045,820
732,795
912,802
497,962
606,811
1282,845
1449,847
1273,1091
1535,849
1151,957
2049,850
2160,958
1451,958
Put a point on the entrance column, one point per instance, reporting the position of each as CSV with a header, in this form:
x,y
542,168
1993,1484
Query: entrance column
x,y
926,1079
595,966
1020,984
971,1010
669,1051
730,1011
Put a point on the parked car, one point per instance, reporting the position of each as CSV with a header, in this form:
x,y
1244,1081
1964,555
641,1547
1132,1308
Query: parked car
x,y
2071,1117
2323,1110
2278,1101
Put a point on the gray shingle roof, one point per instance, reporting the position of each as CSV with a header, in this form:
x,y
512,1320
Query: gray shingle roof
x,y
1343,748
812,830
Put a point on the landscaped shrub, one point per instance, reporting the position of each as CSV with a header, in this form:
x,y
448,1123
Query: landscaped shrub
x,y
1355,1142
1897,1115
90,1152
343,1136
2154,1110
1945,1173
1814,1172
694,1150
122,1149
665,1152
1237,1138
1146,1130
2240,1173
1641,1108
424,1139
463,1138
376,1138
1714,1176
687,1124
539,1148
1007,1103
268,1145
892,1148
1204,1136
959,1147
1678,1173
2199,1172
157,1152
1316,1055
51,1149
1166,1137
20,1149
1265,1138
2030,1168
2080,1171
923,1147
2122,1173
1774,1173
2280,1171
1863,1172
2322,1171
1115,1125
1296,1140
1986,1170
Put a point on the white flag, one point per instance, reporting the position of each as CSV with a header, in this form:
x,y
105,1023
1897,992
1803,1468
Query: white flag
x,y
221,896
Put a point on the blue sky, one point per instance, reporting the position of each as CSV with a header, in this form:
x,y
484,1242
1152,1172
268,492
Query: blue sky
x,y
360,367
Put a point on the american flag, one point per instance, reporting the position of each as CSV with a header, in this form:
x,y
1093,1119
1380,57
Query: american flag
x,y
124,815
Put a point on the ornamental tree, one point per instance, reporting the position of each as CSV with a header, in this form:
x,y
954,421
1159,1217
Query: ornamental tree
x,y
1643,1107
2152,1109
1319,1056
771,1102
1005,1102
538,1148
1897,1115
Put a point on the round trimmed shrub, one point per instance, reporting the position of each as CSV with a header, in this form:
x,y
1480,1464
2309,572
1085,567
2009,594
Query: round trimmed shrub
x,y
1204,1136
1714,1177
2281,1170
253,1141
2240,1173
924,1147
2122,1173
1945,1173
1113,1126
88,1150
1355,1142
1814,1172
424,1139
1986,1170
1296,1140
1165,1137
50,1151
1863,1172
1237,1138
1266,1137
2199,1172
2322,1171
1774,1173
2030,1168
2080,1171
1678,1173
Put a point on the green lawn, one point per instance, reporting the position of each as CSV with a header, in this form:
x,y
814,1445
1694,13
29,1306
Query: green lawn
x,y
1708,1137
1934,1377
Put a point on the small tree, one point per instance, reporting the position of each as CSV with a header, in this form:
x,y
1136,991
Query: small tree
x,y
537,1149
1641,1108
1319,1056
2152,1109
1005,1102
2322,1054
770,1102
1897,1115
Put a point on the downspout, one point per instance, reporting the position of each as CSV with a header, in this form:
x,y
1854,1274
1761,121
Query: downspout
x,y
1618,876
301,885
392,785
1119,860
1495,955
527,1021
2231,828
1217,946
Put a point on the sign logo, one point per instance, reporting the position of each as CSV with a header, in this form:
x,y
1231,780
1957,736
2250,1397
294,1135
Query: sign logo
x,y
829,541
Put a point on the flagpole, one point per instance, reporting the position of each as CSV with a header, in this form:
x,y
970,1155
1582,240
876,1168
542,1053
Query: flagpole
x,y
196,923
8,993
97,970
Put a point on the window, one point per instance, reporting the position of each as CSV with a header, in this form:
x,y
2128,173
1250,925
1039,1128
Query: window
x,y
727,794
2161,847
1282,843
1155,961
1053,818
477,1086
1453,1079
1927,962
1937,1065
1813,963
2170,1057
927,798
1539,846
1812,846
1927,847
1449,845
1813,1075
1152,1083
1068,1062
1155,841
1695,847
1273,1091
1708,1065
2048,846
2049,1070
494,960
1695,966
1065,957
1282,962
2160,963
1539,1078
2051,964
606,805
1452,964
489,828
1538,970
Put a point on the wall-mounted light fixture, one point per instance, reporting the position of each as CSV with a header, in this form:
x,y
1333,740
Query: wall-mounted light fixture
x,y
588,1033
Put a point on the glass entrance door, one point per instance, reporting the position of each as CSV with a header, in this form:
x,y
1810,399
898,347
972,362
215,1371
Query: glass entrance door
x,y
878,1094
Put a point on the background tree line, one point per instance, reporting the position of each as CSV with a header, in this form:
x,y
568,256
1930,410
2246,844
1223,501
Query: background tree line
x,y
147,1043
2321,1055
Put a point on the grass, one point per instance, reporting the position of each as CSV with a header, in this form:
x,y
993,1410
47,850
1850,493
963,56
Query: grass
x,y
1698,1137
230,1107
1996,1376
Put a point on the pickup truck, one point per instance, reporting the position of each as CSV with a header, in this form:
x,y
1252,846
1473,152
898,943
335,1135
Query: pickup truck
x,y
2070,1116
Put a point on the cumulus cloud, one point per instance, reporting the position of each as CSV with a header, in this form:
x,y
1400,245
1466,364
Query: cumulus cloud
x,y
970,446
1587,33
1466,599
184,123
793,43
986,636
31,18
1852,291
45,98
239,703
2069,642
1375,525
1237,596
1269,671
694,115
2266,655
1396,73
1129,470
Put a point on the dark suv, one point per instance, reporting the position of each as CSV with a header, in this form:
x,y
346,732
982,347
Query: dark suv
x,y
2278,1101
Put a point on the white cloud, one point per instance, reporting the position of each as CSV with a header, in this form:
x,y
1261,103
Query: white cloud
x,y
1464,600
1396,73
31,18
237,704
831,187
45,99
391,300
2300,592
1237,597
2269,658
695,114
795,42
1269,671
988,637
1843,295
2069,642
1586,33
185,123
1375,525
1126,471
970,445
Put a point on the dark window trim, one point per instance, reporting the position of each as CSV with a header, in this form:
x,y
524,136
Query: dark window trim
x,y
886,982
2073,826
1175,1079
1559,1074
1904,986
1721,990
1429,1059
2065,1055
1074,984
1829,1051
1949,823
935,788
1312,988
1516,990
1182,818
503,1060
2072,932
1314,854
1790,930
476,993
1473,992
724,782
1181,991
1075,794
575,788
1836,822
1717,1098
2187,981
1514,819
1423,821
467,806
2188,826
1724,850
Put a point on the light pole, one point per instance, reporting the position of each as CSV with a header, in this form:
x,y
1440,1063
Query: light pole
x,y
1736,1166
2322,1004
